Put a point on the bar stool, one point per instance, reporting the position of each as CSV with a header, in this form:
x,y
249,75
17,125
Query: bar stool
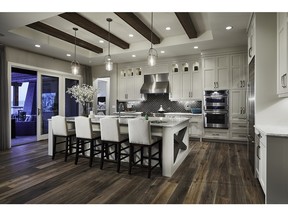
x,y
84,135
111,137
140,136
60,129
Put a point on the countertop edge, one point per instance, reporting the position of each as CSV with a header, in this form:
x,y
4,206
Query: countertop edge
x,y
273,130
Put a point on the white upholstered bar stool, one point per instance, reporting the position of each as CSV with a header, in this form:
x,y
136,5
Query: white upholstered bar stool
x,y
111,138
84,135
60,129
140,136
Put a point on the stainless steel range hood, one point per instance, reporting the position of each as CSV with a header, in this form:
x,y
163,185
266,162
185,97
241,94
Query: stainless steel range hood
x,y
155,84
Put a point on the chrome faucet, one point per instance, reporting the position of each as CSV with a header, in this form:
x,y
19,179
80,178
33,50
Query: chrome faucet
x,y
120,108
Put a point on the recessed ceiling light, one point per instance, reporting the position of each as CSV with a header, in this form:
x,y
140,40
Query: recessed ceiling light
x,y
196,47
168,28
101,41
133,56
229,27
37,45
131,35
68,54
162,51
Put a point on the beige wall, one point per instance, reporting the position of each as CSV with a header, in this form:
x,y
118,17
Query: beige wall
x,y
100,72
33,59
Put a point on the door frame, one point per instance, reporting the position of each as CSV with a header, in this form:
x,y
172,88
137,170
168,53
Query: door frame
x,y
49,72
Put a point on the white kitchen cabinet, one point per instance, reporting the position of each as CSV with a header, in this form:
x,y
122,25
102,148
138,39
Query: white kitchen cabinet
x,y
282,54
216,134
185,80
129,84
175,86
216,72
238,71
238,130
251,39
238,104
261,157
262,165
195,123
196,126
192,82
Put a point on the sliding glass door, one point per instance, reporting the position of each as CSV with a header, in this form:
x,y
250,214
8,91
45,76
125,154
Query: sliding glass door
x,y
48,102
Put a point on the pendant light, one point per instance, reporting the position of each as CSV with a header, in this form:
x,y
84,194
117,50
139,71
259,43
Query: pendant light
x,y
75,66
152,54
108,59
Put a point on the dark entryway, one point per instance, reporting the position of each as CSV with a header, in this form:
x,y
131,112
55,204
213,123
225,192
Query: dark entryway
x,y
23,106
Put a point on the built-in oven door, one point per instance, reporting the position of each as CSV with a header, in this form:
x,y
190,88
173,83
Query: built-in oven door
x,y
216,119
218,101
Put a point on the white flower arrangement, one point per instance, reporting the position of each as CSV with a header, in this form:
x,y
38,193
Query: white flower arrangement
x,y
82,93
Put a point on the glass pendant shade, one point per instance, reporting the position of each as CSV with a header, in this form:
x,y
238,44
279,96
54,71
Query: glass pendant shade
x,y
75,67
108,63
152,53
152,57
108,59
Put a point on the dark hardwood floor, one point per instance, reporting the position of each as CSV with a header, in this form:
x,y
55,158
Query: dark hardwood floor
x,y
212,173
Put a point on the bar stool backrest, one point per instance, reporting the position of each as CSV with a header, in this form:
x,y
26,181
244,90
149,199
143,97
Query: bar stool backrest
x,y
59,125
83,127
139,131
110,130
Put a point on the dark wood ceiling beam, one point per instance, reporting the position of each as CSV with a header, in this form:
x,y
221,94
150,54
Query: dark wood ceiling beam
x,y
42,27
84,23
139,26
187,24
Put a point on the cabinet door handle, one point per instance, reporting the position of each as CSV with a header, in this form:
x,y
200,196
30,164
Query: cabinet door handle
x,y
243,83
244,110
217,84
214,84
250,52
258,150
285,80
241,110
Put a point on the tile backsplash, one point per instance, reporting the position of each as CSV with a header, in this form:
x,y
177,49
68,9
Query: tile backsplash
x,y
153,102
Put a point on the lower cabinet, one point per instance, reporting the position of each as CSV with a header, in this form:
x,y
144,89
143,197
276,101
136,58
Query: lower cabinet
x,y
216,133
238,130
195,123
196,127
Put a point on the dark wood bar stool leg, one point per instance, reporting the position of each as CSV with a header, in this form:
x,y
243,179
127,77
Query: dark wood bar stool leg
x,y
149,161
77,151
54,147
91,153
102,155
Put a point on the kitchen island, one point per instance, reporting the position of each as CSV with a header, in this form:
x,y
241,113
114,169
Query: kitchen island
x,y
174,133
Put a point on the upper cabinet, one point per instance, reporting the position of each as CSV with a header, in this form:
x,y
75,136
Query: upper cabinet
x,y
282,47
185,80
238,70
216,72
129,83
251,39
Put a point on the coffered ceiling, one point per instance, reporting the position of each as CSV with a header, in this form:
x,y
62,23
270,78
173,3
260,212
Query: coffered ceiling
x,y
54,33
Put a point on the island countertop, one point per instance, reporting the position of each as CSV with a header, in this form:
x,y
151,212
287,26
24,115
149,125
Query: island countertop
x,y
154,121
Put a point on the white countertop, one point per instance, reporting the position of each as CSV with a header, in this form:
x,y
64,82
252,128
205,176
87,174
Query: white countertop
x,y
161,121
273,130
183,113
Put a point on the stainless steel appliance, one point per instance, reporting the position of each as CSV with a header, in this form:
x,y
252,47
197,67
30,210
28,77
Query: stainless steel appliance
x,y
216,109
251,114
155,84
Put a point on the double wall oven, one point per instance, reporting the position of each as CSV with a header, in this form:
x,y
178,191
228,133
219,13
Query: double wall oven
x,y
216,109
